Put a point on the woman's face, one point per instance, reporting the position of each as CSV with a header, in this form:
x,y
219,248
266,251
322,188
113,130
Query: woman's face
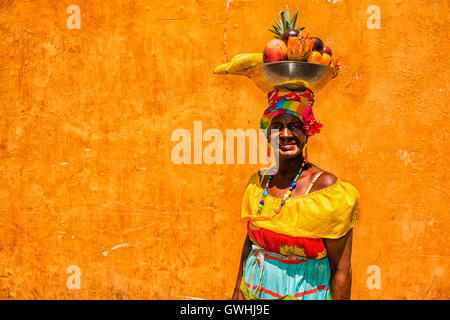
x,y
291,136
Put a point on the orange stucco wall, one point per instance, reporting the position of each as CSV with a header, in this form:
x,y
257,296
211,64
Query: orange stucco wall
x,y
86,118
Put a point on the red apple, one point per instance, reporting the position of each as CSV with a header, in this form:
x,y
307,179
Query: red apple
x,y
275,50
327,50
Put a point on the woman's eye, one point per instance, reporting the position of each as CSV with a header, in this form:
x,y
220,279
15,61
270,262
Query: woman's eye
x,y
276,126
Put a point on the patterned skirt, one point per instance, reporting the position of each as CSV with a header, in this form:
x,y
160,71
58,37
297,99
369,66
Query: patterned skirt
x,y
269,275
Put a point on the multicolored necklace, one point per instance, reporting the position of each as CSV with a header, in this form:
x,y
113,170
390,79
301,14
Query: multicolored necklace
x,y
305,165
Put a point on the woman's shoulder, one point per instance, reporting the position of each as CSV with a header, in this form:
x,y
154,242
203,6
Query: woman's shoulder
x,y
325,179
330,181
254,177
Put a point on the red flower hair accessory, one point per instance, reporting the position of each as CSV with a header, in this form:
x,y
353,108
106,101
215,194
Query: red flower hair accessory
x,y
310,125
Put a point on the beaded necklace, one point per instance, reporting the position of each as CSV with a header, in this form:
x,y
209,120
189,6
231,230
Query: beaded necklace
x,y
305,165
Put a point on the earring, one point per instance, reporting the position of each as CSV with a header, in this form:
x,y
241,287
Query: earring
x,y
305,157
268,151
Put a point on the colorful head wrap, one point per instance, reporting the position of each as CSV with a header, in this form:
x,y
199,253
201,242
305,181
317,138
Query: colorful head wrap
x,y
296,103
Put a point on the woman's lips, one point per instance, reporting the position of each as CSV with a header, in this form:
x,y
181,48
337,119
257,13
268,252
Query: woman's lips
x,y
288,147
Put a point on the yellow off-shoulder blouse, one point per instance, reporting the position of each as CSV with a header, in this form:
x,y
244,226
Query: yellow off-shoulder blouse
x,y
326,213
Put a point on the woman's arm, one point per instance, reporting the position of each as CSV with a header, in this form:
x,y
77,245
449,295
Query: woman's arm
x,y
339,254
245,252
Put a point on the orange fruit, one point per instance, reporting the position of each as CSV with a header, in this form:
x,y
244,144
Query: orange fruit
x,y
326,59
315,57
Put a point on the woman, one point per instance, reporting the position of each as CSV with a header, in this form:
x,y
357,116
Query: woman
x,y
300,217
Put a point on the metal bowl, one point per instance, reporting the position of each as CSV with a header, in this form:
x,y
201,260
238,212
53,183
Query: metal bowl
x,y
291,75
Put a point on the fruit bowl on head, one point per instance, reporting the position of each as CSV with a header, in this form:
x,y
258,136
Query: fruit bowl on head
x,y
291,75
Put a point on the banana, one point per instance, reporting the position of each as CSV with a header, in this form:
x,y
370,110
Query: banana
x,y
239,63
239,55
221,69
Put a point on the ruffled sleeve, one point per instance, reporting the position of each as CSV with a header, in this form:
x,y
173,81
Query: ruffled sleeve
x,y
326,213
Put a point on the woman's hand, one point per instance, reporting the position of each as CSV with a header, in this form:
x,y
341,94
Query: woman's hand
x,y
339,253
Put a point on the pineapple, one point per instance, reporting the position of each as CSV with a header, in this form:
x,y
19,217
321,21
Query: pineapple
x,y
285,28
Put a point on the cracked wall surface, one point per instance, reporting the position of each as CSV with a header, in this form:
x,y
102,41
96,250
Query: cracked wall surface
x,y
86,117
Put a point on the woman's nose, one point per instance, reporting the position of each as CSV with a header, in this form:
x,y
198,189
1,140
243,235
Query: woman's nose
x,y
285,133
